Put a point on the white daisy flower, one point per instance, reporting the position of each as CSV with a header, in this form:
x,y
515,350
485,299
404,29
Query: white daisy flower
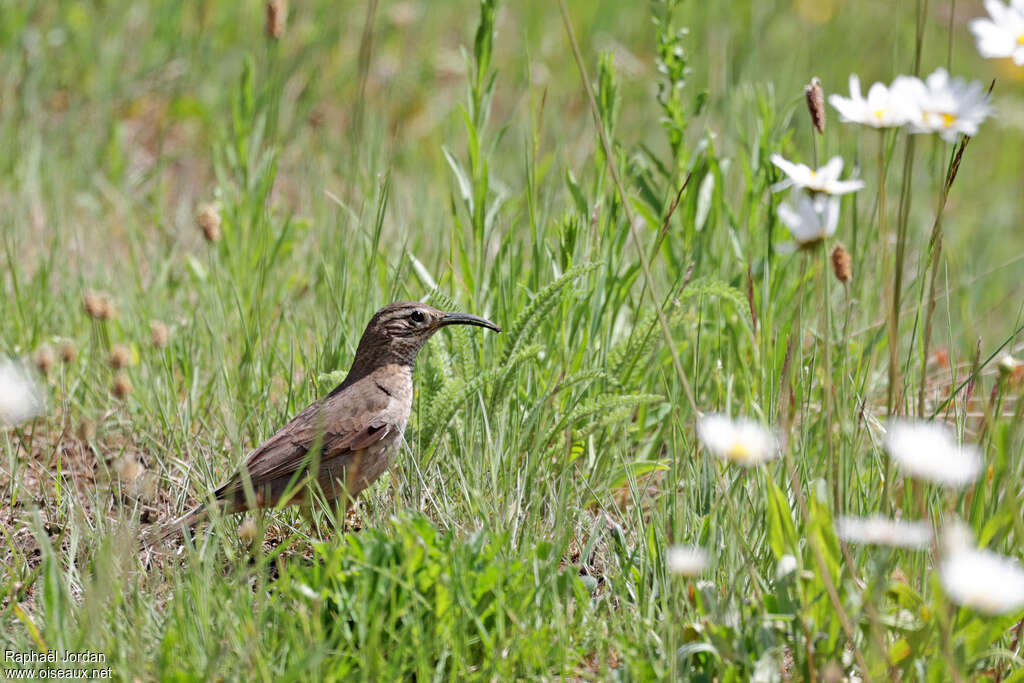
x,y
956,536
742,441
20,395
950,106
810,219
786,566
688,560
982,580
884,107
824,180
884,531
926,450
1002,36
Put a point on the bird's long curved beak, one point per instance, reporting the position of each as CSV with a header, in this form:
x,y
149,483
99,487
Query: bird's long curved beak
x,y
466,319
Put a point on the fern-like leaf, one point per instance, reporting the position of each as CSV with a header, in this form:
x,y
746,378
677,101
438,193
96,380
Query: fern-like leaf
x,y
710,287
447,401
600,406
522,328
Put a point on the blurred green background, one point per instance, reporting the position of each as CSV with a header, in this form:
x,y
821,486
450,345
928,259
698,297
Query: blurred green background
x,y
110,110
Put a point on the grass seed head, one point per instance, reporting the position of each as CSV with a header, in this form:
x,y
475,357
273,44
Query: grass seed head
x,y
277,17
158,333
247,531
120,356
128,468
44,358
1011,368
842,264
121,387
68,351
99,305
208,220
816,103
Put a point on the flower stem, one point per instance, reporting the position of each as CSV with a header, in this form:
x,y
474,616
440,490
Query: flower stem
x,y
847,315
883,233
814,144
932,265
901,240
827,392
903,220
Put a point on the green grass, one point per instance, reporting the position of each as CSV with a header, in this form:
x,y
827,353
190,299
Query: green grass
x,y
523,531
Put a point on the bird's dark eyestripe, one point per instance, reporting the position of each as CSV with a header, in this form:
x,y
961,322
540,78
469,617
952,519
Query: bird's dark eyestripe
x,y
399,315
381,387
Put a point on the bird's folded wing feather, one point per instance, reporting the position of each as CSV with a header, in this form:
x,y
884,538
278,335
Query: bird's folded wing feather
x,y
285,452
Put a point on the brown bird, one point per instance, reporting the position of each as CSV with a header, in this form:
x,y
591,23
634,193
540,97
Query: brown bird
x,y
348,436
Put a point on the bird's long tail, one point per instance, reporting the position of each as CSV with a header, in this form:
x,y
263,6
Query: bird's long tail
x,y
178,526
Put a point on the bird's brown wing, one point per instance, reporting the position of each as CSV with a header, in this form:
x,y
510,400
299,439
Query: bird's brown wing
x,y
339,431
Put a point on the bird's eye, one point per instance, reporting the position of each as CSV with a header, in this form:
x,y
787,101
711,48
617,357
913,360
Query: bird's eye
x,y
417,316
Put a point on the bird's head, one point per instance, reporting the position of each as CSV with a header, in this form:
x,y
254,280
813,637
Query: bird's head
x,y
398,331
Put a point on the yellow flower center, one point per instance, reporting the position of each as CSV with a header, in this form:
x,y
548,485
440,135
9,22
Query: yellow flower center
x,y
813,173
948,119
738,452
879,113
1020,40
